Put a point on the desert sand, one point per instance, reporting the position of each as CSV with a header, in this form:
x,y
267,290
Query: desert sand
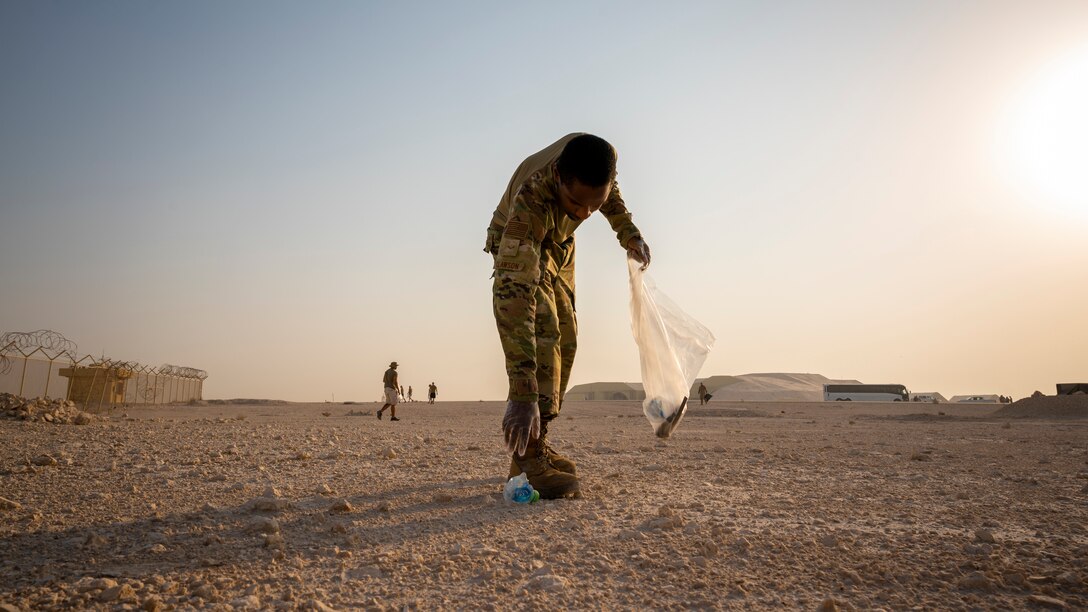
x,y
747,506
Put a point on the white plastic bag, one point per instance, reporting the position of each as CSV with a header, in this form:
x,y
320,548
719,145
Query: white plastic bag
x,y
672,347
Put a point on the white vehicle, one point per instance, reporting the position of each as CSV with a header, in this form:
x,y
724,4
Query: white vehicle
x,y
977,399
866,393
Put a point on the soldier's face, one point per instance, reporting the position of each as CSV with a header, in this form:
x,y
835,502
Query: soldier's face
x,y
579,200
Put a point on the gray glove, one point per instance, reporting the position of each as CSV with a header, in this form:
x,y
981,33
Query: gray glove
x,y
521,424
638,250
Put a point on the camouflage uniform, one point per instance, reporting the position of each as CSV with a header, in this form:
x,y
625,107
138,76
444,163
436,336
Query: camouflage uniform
x,y
532,241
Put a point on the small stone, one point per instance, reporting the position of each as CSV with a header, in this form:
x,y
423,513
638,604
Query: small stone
x,y
121,592
829,605
268,504
342,506
443,497
152,604
984,535
389,453
206,592
324,489
100,584
248,602
976,580
545,582
1048,602
94,540
1068,579
920,457
44,460
1015,578
266,525
274,541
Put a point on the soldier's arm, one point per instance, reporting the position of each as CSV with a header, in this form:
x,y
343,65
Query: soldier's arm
x,y
517,272
619,217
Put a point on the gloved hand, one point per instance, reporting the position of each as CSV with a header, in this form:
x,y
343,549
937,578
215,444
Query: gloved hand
x,y
521,424
638,250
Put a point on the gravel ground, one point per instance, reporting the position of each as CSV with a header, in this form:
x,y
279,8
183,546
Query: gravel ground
x,y
747,506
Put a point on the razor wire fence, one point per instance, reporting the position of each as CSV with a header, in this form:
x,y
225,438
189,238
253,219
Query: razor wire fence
x,y
45,364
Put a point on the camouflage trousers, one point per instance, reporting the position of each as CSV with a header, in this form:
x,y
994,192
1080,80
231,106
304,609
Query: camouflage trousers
x,y
555,328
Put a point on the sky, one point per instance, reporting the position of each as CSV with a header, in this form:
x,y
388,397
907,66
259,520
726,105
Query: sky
x,y
292,195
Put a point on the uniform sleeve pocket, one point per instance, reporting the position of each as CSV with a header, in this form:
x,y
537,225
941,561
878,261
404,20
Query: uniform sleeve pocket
x,y
508,247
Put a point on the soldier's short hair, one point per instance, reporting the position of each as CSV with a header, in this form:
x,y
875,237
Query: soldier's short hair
x,y
589,159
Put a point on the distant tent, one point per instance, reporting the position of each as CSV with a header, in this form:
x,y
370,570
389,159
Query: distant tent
x,y
767,387
601,391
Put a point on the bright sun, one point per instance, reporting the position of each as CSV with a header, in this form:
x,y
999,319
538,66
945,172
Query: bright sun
x,y
1046,136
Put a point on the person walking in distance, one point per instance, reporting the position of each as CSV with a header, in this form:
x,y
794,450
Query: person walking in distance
x,y
702,394
391,387
531,239
432,392
410,393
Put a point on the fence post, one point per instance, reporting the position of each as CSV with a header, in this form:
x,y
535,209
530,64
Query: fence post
x,y
22,378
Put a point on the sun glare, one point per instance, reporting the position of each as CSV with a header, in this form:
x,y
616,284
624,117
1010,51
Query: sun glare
x,y
1045,137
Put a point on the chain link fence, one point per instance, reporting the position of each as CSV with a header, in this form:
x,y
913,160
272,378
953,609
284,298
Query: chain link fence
x,y
45,364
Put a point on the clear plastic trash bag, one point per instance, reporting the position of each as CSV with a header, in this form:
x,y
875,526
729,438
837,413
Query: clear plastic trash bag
x,y
672,347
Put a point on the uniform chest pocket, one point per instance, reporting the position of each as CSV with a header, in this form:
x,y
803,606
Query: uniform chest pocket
x,y
508,247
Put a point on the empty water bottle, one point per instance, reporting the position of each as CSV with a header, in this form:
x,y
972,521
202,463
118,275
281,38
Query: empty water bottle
x,y
519,491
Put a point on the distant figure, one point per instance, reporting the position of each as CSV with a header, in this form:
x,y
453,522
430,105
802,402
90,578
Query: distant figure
x,y
702,394
432,392
402,392
390,382
410,393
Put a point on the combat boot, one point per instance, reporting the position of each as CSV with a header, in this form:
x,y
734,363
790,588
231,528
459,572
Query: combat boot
x,y
557,461
550,482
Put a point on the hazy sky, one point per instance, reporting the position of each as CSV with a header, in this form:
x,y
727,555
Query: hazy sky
x,y
290,195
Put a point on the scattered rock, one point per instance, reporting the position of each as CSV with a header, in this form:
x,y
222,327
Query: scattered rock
x,y
265,524
55,411
1048,602
341,507
984,535
389,453
545,582
977,581
7,504
121,592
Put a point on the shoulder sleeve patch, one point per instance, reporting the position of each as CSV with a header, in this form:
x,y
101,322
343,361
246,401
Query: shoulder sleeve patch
x,y
517,229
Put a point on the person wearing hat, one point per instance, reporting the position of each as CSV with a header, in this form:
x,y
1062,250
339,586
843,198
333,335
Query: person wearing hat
x,y
391,390
531,240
